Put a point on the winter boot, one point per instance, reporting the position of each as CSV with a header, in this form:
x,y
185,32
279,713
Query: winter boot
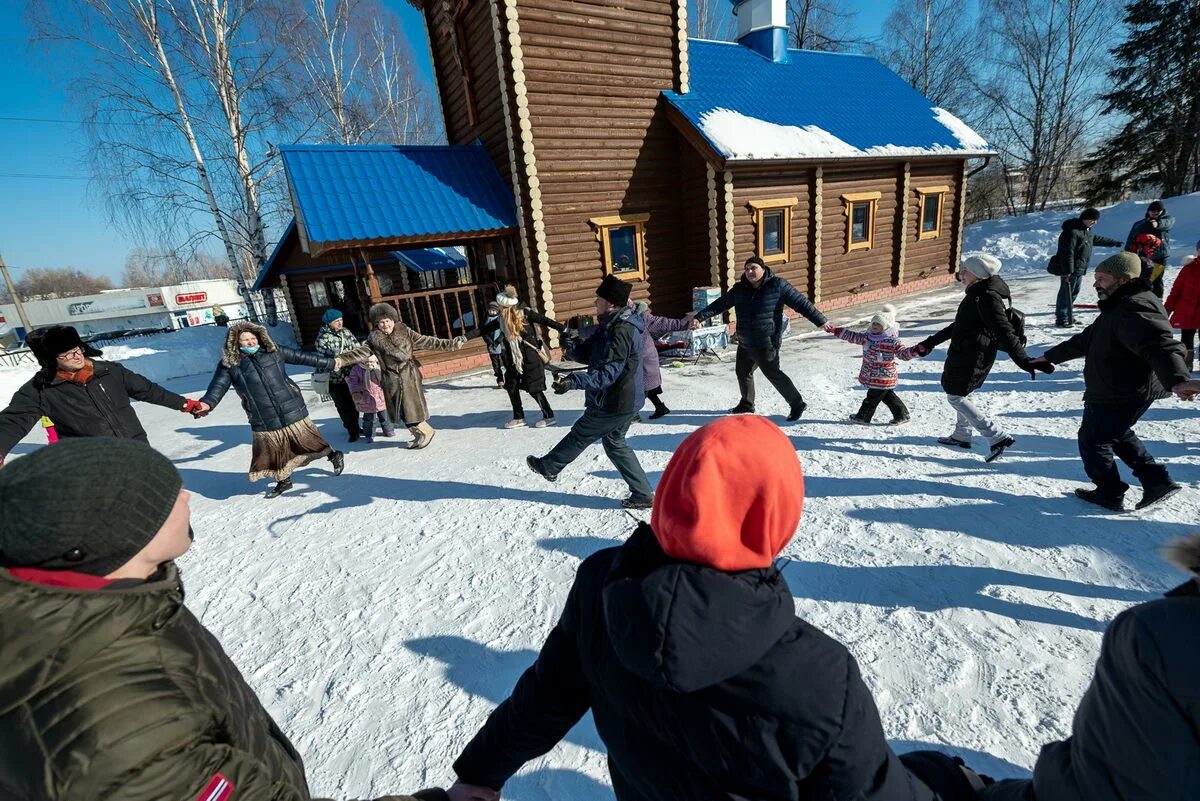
x,y
743,407
999,448
1157,492
795,412
544,422
388,431
516,422
899,421
1113,503
422,435
862,421
953,442
338,459
535,464
660,410
279,488
635,502
369,438
353,436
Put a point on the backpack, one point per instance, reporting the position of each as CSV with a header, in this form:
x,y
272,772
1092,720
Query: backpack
x,y
1017,318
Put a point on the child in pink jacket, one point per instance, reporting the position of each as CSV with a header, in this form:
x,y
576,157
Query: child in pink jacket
x,y
367,391
881,346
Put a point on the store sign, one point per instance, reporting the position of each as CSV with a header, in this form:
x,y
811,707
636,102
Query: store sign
x,y
107,305
190,298
154,300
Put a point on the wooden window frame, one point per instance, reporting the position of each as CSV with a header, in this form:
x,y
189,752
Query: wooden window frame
x,y
922,193
761,208
464,61
604,225
312,301
871,200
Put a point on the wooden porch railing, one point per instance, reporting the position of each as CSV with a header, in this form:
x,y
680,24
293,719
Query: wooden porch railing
x,y
444,313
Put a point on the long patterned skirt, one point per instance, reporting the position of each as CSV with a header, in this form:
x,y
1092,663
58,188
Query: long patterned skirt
x,y
277,453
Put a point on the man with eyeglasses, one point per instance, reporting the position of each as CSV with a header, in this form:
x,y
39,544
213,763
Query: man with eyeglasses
x,y
83,396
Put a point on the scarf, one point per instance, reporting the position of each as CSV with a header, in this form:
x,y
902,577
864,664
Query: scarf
x,y
80,376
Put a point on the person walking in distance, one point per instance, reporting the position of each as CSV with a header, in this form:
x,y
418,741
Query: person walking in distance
x,y
759,298
1184,304
1071,261
981,329
613,393
1132,360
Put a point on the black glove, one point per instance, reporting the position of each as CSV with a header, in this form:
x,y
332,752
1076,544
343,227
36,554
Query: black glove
x,y
563,384
925,347
568,340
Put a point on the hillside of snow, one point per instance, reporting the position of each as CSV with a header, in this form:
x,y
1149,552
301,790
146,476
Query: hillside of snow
x,y
381,615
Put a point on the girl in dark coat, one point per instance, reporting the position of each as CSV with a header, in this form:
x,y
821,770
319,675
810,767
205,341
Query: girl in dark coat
x,y
980,329
521,356
284,437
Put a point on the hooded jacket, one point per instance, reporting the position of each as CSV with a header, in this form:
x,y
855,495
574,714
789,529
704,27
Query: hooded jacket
x,y
1184,301
879,355
613,382
980,329
760,310
1162,230
1075,243
703,683
98,408
271,400
1132,354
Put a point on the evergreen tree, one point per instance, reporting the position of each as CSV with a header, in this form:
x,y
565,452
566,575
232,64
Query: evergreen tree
x,y
1156,89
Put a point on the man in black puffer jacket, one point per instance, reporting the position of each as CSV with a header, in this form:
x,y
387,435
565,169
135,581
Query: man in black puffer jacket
x,y
1133,359
1072,259
1134,737
684,644
759,298
82,396
981,329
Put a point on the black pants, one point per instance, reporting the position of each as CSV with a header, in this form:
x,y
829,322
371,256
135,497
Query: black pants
x,y
749,359
889,398
514,397
497,367
1107,431
1188,337
345,406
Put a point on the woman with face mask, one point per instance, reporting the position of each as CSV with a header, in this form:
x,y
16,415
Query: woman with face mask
x,y
284,437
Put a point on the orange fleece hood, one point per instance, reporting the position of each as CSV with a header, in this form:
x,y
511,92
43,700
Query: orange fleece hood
x,y
731,496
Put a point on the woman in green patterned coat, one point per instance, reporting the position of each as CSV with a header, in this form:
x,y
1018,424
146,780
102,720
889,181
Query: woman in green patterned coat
x,y
333,340
109,687
394,344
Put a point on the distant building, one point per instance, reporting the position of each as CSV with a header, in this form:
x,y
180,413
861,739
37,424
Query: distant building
x,y
167,307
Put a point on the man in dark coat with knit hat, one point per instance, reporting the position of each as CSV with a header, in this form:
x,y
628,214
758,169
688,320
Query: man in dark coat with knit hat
x,y
109,686
1133,359
685,646
82,395
1072,259
613,390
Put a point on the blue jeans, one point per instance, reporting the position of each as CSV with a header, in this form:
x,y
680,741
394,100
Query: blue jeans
x,y
609,428
368,424
1068,291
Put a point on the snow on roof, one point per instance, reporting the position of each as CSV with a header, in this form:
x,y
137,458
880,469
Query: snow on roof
x,y
813,106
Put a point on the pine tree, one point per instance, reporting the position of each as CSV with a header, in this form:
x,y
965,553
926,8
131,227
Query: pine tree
x,y
1156,89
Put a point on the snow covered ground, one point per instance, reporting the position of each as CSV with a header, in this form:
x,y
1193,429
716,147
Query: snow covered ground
x,y
382,614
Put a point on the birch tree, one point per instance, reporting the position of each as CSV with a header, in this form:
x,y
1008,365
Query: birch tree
x,y
931,44
819,25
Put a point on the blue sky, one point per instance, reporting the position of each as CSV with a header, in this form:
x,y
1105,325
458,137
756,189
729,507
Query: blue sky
x,y
60,221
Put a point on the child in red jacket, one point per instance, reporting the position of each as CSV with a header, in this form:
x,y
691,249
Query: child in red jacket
x,y
881,346
1184,304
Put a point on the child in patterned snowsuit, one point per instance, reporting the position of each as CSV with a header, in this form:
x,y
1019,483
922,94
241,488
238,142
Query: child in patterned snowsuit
x,y
881,346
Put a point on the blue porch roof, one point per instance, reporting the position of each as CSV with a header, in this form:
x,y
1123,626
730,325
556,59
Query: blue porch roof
x,y
371,196
813,106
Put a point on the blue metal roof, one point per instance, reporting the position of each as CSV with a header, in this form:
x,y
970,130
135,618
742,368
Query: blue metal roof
x,y
854,98
363,196
426,260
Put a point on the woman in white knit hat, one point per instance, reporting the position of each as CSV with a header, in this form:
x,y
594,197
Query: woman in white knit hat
x,y
980,329
523,354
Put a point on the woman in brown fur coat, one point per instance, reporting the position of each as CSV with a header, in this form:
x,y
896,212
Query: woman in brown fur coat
x,y
394,344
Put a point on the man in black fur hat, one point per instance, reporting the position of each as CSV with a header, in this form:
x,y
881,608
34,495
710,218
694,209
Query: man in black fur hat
x,y
83,396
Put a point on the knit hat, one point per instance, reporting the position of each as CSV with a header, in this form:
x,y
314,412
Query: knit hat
x,y
1157,205
381,310
614,290
47,343
1090,214
885,317
981,265
1123,264
508,297
731,495
87,505
330,315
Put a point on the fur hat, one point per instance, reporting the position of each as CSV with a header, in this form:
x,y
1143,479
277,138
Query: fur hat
x,y
330,315
507,298
981,265
47,343
384,310
1123,264
231,354
614,290
1184,553
885,317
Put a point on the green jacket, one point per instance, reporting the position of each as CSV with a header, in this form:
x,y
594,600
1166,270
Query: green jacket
x,y
120,693
333,344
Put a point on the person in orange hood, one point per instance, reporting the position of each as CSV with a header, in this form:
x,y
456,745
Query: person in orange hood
x,y
685,646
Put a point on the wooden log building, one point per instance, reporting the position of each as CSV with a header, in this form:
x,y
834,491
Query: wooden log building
x,y
623,147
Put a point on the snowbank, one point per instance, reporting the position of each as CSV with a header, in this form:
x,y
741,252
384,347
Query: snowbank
x,y
1025,243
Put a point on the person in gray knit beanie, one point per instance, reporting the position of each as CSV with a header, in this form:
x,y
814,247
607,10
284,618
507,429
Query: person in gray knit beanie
x,y
84,505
